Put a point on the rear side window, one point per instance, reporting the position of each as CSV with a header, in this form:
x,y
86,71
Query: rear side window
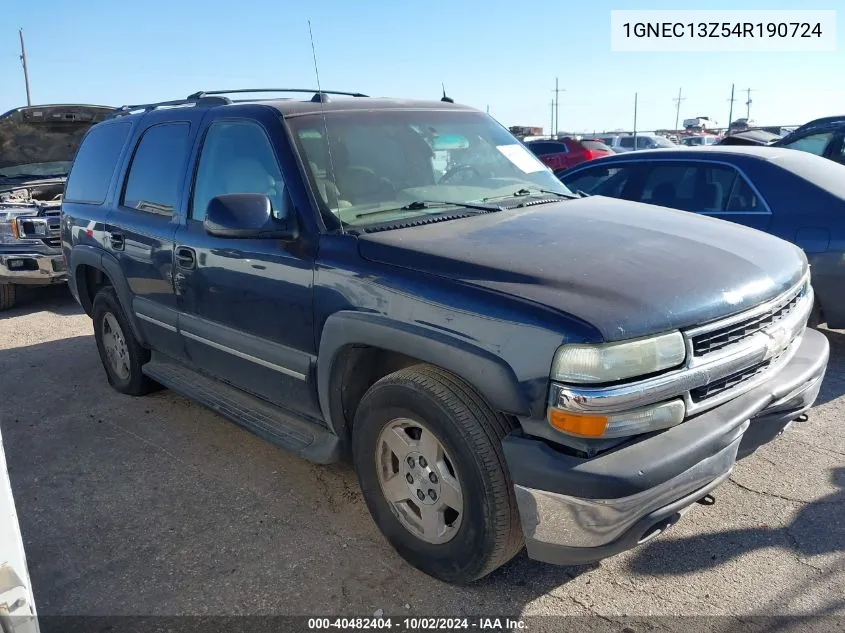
x,y
627,142
95,163
158,169
546,148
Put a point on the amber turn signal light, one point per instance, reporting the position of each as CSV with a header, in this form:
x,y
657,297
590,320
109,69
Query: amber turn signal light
x,y
583,425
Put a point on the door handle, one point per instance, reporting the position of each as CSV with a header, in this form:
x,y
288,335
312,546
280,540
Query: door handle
x,y
116,240
186,258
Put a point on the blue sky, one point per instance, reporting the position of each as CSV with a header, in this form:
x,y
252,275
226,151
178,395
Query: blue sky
x,y
504,54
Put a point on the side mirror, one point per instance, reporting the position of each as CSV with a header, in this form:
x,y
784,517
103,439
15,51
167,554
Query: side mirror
x,y
249,216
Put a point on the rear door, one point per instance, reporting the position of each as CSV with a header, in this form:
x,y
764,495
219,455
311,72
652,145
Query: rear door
x,y
141,228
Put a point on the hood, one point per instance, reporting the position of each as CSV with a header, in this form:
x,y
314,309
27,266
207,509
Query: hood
x,y
41,141
629,269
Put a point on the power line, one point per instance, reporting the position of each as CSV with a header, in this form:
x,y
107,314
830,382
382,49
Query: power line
x,y
677,101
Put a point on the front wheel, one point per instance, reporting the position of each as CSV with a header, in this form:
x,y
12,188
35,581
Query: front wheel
x,y
120,352
428,454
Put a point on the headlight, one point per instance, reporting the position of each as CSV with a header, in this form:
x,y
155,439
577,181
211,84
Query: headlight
x,y
609,362
21,229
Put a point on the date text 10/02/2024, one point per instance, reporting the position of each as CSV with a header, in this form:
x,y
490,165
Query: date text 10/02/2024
x,y
417,624
722,29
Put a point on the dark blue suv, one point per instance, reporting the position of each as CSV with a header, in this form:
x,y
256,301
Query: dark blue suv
x,y
402,281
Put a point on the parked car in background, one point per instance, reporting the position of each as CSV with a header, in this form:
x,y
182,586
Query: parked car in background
x,y
505,362
750,137
698,140
700,123
794,195
621,144
822,137
567,152
17,604
37,144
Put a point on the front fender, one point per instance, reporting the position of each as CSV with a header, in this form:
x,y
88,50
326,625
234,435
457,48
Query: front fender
x,y
488,373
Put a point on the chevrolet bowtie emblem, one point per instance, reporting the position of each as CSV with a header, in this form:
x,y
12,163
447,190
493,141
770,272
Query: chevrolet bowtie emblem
x,y
777,340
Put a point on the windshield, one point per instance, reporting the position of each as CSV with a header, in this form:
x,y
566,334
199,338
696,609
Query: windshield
x,y
378,166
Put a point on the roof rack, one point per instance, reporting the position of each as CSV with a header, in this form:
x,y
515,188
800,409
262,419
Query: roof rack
x,y
147,107
319,95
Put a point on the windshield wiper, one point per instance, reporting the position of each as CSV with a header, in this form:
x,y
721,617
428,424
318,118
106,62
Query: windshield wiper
x,y
32,176
527,192
420,205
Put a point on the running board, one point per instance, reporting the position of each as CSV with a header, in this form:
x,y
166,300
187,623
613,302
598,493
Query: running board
x,y
268,422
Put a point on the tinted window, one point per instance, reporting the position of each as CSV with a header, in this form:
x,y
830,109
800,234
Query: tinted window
x,y
599,181
701,188
814,143
627,142
543,149
157,169
236,158
95,163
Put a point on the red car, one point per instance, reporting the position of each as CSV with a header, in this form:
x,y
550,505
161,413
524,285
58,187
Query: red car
x,y
566,152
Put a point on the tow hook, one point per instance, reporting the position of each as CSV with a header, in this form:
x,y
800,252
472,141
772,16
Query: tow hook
x,y
802,418
707,500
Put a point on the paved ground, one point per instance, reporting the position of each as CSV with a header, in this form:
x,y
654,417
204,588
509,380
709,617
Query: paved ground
x,y
157,506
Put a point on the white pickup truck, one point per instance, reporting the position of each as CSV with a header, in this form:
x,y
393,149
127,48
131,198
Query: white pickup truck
x,y
17,605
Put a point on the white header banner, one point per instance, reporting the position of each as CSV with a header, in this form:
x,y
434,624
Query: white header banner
x,y
722,31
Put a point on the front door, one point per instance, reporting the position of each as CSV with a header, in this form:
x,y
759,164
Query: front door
x,y
246,304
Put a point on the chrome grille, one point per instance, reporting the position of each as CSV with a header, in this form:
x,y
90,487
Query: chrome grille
x,y
720,338
728,382
54,242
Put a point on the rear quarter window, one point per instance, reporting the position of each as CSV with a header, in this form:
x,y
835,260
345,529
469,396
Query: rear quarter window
x,y
95,163
158,168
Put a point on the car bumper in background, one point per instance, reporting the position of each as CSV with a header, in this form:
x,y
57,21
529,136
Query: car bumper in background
x,y
577,510
32,268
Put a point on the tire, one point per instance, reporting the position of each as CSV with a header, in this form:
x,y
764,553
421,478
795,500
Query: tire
x,y
110,323
486,533
8,296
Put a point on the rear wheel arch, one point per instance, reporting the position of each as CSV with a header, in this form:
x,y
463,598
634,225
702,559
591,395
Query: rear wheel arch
x,y
93,270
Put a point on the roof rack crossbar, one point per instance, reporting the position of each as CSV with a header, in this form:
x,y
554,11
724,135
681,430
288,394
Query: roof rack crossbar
x,y
147,107
204,93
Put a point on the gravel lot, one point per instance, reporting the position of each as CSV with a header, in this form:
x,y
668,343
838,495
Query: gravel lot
x,y
157,506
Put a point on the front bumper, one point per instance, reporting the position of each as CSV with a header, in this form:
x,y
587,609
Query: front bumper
x,y
577,510
29,268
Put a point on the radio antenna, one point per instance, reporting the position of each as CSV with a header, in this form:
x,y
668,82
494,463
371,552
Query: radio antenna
x,y
332,176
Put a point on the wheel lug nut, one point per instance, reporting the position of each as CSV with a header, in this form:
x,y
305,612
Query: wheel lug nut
x,y
423,463
411,462
410,478
420,495
433,495
432,478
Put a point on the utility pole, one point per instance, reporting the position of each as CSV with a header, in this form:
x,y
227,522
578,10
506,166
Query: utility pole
x,y
635,120
556,108
678,108
748,92
25,71
731,113
553,119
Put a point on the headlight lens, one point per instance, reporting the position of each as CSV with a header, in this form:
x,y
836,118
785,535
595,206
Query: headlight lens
x,y
12,231
609,362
